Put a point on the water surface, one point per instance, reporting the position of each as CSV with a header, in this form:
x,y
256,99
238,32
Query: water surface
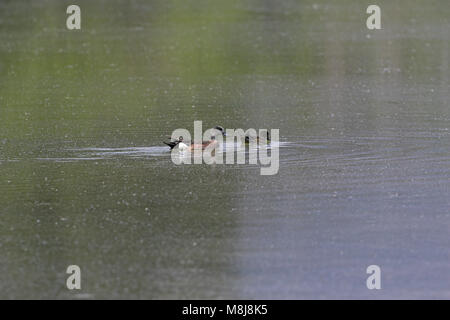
x,y
364,172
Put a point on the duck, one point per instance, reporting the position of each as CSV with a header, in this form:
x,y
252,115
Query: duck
x,y
258,139
173,144
201,146
182,146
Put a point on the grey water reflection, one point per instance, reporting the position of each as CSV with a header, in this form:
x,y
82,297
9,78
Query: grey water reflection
x,y
364,155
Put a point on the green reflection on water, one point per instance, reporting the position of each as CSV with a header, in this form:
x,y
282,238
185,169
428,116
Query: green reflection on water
x,y
139,69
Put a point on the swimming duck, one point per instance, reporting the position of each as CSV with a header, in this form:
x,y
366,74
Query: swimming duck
x,y
202,145
258,139
221,129
173,144
188,147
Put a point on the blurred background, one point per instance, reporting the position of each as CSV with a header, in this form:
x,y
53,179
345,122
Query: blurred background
x,y
364,162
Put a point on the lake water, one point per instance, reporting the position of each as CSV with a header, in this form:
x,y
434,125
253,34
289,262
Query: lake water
x,y
364,173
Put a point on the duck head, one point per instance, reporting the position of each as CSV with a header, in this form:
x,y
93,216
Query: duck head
x,y
221,129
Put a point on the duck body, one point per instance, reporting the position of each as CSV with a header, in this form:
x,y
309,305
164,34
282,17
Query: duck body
x,y
195,146
190,146
183,146
203,145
